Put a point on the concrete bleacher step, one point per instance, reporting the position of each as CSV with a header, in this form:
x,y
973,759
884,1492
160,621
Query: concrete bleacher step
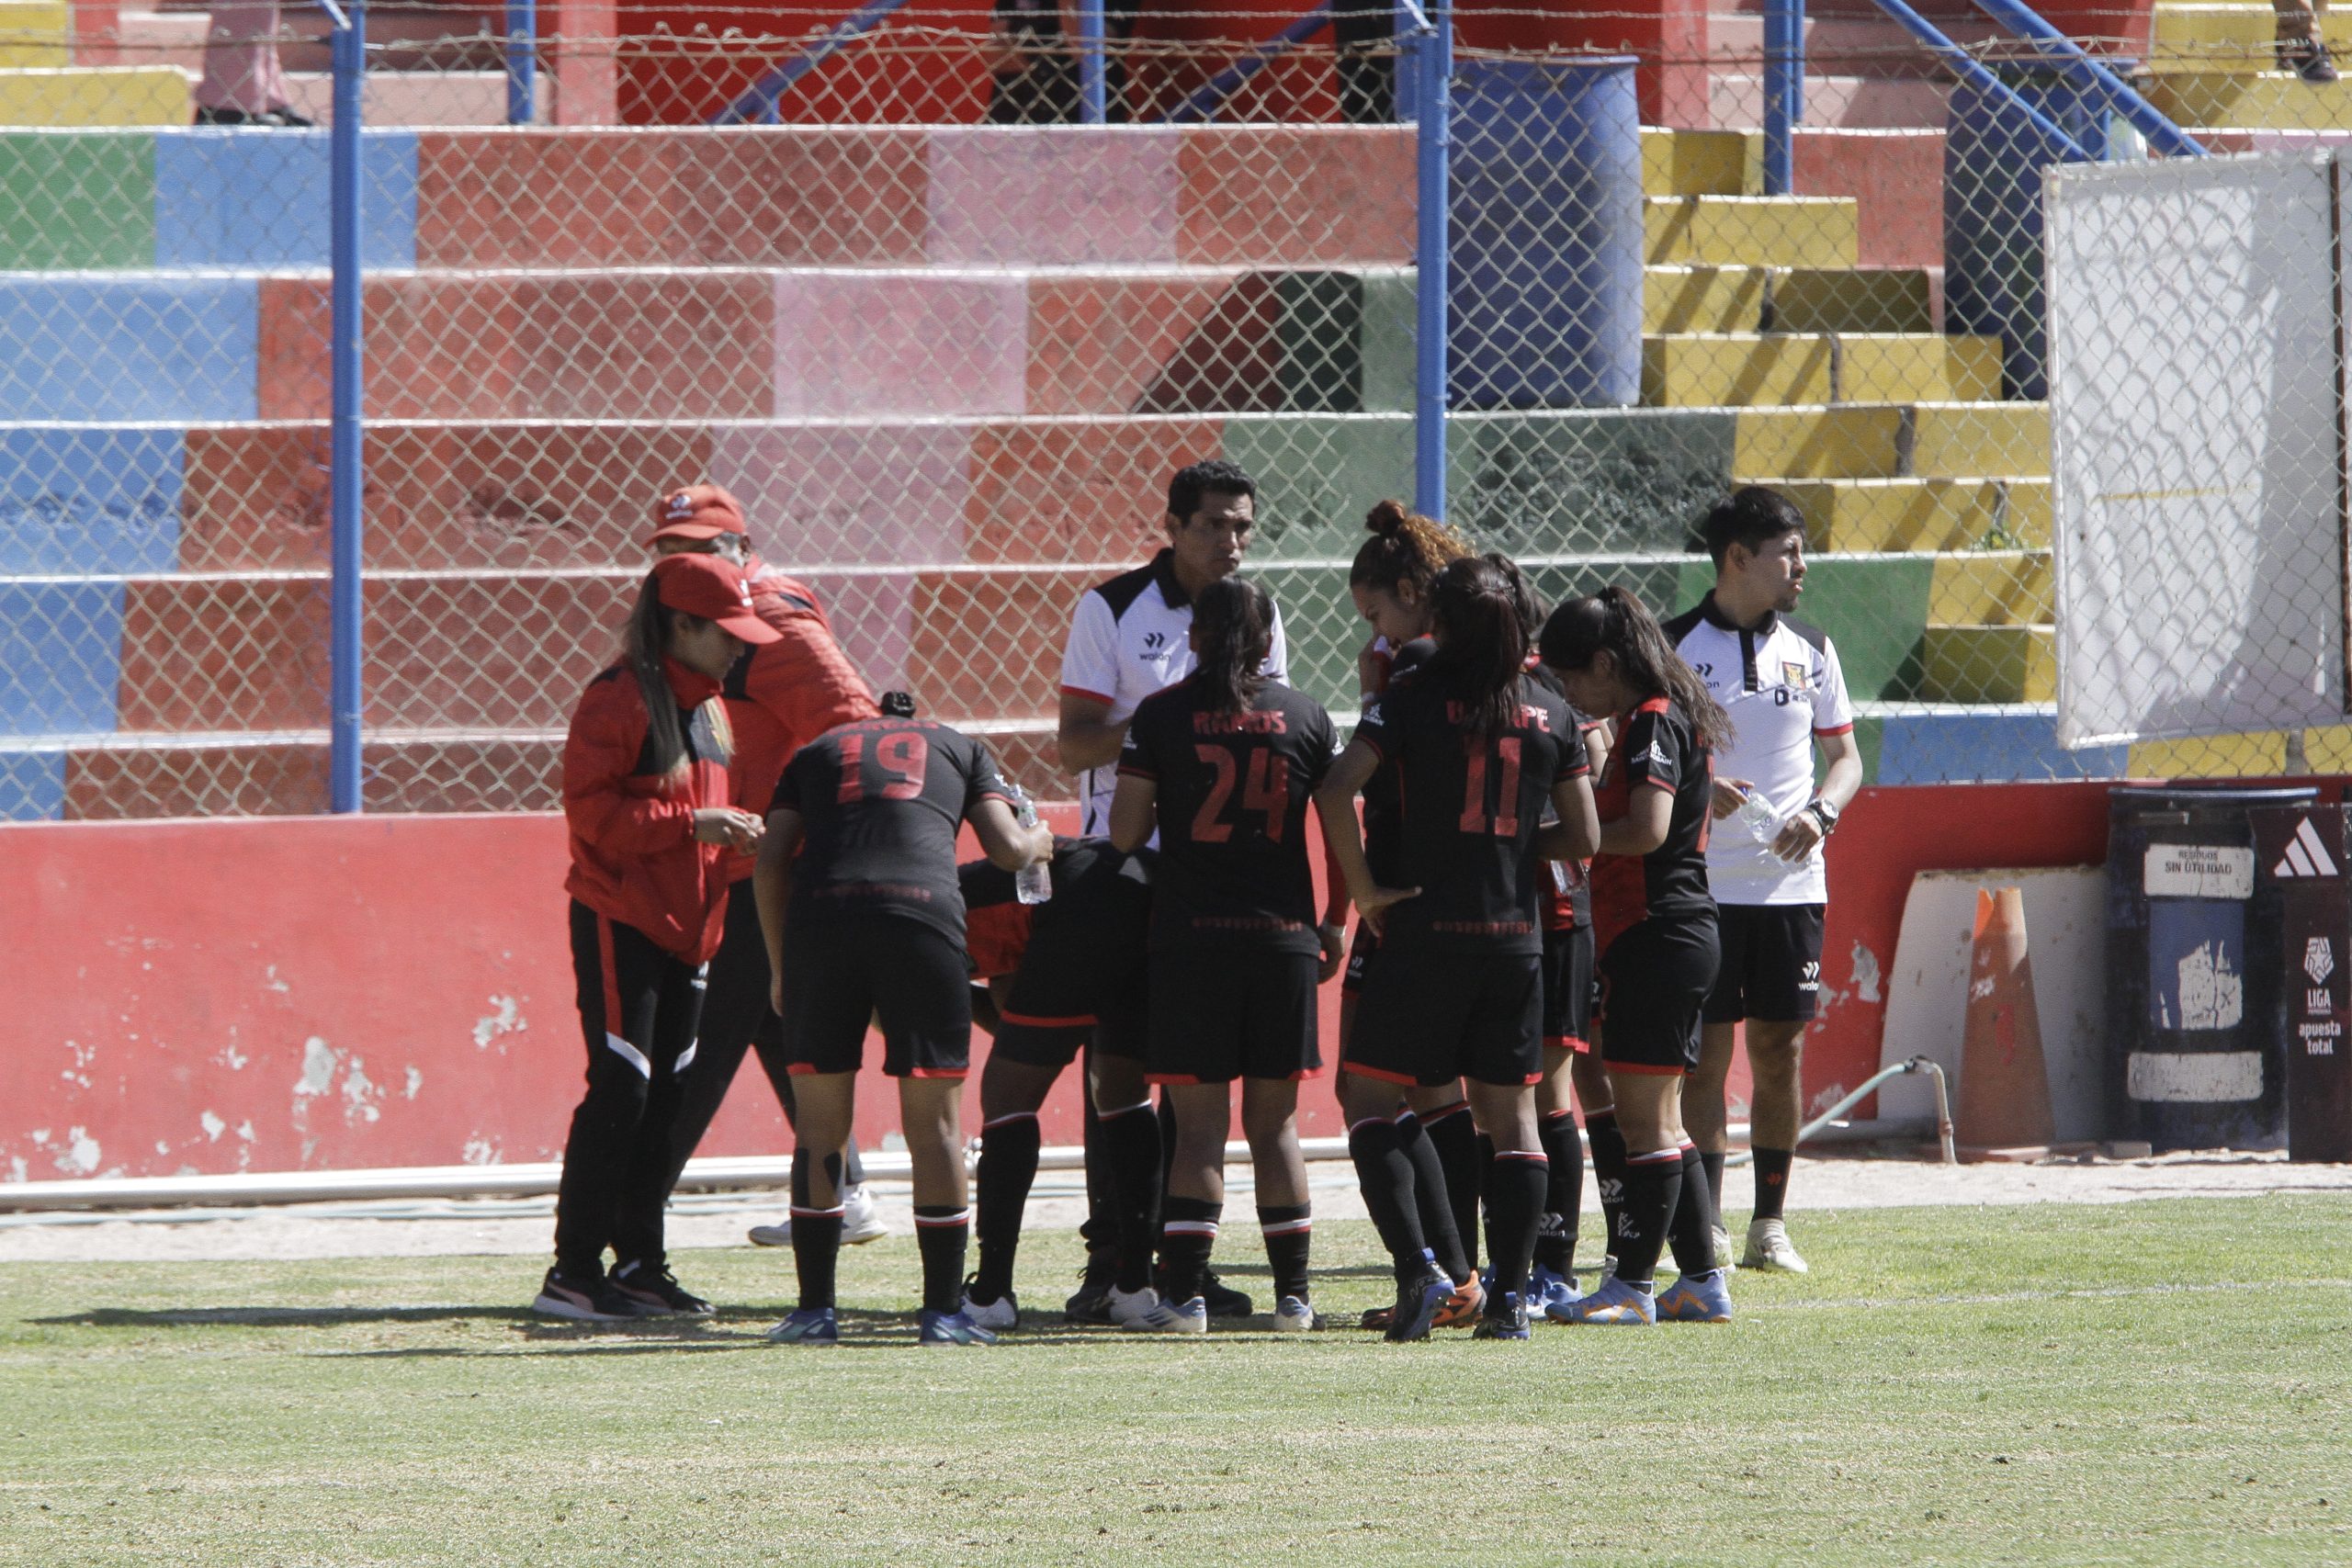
x,y
2276,100
421,97
36,34
1841,45
1923,513
1751,231
1988,664
95,95
1886,441
717,343
1697,163
1735,101
1992,588
1679,298
1741,370
2232,39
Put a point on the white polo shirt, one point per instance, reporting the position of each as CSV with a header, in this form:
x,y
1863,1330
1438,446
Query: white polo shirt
x,y
1128,640
1781,683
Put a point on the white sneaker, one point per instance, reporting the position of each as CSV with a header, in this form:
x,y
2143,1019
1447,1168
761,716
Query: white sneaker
x,y
1719,1243
1193,1317
1769,1248
1293,1316
997,1316
861,1217
773,1235
1125,1306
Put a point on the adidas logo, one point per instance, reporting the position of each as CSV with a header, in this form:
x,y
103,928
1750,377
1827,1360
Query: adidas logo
x,y
2306,856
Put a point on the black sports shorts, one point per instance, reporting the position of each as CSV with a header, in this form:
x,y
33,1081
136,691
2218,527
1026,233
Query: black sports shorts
x,y
1362,948
1567,989
1223,1013
1118,1027
1431,1016
1653,979
843,972
1771,969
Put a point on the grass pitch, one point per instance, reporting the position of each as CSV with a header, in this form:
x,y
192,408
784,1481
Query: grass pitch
x,y
2147,1383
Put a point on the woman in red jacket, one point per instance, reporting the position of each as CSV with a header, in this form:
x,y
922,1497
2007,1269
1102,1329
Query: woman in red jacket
x,y
645,794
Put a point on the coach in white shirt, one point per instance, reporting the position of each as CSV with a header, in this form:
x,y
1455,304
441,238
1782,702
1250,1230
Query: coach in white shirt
x,y
1780,681
1128,637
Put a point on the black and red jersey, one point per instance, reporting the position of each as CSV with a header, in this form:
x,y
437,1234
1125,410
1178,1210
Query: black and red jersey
x,y
881,800
1077,953
781,695
1233,792
1383,816
1470,808
634,857
1655,744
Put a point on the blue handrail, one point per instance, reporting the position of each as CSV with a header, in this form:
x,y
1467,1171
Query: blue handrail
x,y
522,60
1092,79
759,107
1212,93
2163,135
1783,92
1970,70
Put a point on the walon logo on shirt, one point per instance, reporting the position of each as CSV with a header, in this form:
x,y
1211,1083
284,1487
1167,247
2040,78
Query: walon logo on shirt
x,y
1154,642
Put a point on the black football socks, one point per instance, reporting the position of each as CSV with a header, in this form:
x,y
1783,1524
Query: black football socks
x,y
1008,1169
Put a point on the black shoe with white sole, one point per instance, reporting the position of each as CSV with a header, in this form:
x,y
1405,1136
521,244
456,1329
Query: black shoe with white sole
x,y
654,1292
583,1298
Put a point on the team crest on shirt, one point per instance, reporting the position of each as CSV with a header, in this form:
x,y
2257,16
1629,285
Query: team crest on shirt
x,y
1794,674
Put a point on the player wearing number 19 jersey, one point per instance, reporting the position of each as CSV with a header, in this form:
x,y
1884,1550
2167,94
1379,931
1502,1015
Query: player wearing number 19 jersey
x,y
876,918
1478,751
1222,766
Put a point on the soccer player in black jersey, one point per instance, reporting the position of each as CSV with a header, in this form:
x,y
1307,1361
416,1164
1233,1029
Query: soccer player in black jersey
x,y
870,810
1654,924
1478,751
1222,765
1061,974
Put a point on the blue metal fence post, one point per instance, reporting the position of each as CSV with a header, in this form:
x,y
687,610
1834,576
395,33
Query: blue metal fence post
x,y
522,60
1092,106
1783,92
345,611
1430,56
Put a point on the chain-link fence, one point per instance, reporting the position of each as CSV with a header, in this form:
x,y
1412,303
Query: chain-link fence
x,y
868,271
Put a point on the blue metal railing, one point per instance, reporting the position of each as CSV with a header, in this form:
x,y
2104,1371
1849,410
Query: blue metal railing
x,y
1092,79
522,60
1784,80
1211,95
759,106
1429,56
346,230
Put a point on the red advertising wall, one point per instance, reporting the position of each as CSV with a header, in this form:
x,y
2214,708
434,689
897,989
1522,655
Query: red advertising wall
x,y
323,993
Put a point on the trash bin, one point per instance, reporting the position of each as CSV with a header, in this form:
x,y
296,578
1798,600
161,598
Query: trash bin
x,y
2196,981
1547,217
2298,852
1995,161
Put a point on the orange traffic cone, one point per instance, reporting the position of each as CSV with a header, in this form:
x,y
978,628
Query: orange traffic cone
x,y
2004,1086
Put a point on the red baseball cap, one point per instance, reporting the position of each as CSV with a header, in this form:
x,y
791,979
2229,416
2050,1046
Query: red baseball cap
x,y
697,511
714,590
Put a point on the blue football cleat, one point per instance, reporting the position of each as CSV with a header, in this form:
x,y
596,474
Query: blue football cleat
x,y
1546,1290
1615,1302
809,1326
1505,1318
951,1328
1695,1298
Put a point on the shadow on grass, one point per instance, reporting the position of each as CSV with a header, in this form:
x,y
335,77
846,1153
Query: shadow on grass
x,y
283,1317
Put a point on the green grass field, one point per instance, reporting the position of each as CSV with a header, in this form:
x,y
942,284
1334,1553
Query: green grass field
x,y
2147,1383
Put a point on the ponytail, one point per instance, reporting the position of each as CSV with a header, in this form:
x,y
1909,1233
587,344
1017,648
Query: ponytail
x,y
1482,646
1405,547
1233,622
1614,621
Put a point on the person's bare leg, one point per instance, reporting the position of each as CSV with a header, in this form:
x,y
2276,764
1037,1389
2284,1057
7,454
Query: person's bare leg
x,y
931,1114
828,1104
1776,1112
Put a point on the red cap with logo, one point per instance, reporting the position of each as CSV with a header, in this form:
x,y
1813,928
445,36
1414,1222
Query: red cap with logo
x,y
697,511
714,590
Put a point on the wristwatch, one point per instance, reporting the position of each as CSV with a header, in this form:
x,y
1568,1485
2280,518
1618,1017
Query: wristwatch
x,y
1823,813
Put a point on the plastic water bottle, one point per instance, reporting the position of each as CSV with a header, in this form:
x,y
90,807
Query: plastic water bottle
x,y
1031,883
1756,815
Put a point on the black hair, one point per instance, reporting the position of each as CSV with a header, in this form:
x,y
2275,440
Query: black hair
x,y
1215,477
643,647
1481,643
1233,621
1614,621
1752,516
1405,547
1524,602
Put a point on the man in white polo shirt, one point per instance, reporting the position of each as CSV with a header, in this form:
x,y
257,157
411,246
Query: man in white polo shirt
x,y
1780,681
1129,638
